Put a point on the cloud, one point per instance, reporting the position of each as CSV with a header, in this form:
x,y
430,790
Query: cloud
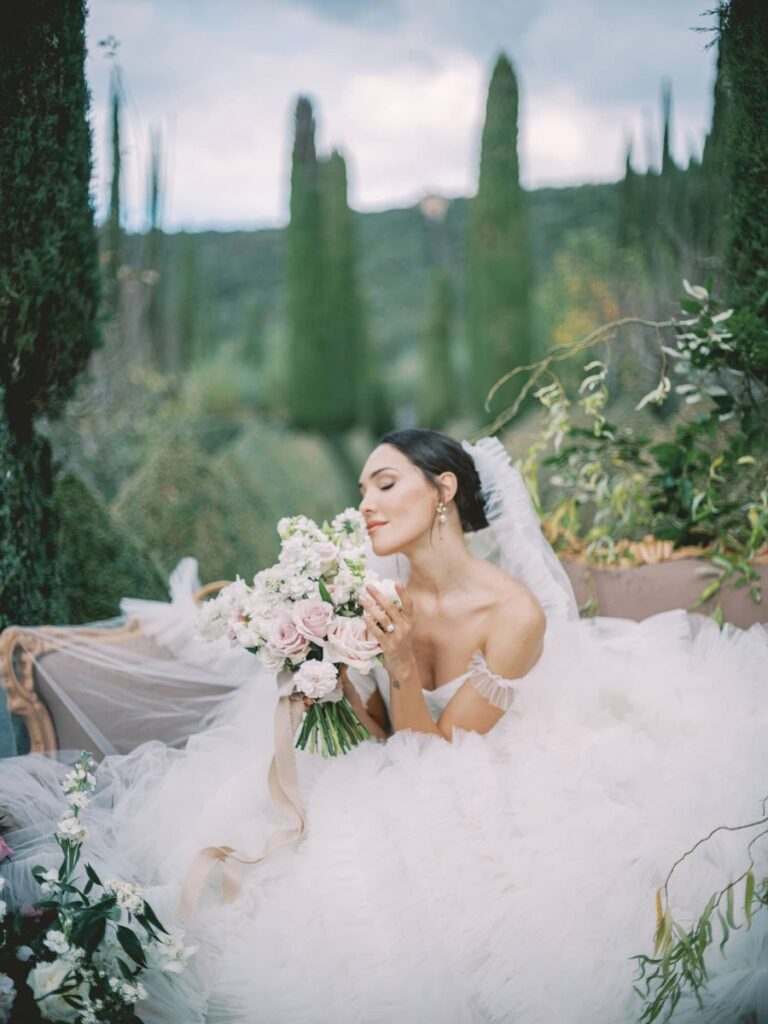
x,y
398,85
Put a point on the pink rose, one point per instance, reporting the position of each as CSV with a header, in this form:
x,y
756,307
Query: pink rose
x,y
5,850
312,618
284,638
348,641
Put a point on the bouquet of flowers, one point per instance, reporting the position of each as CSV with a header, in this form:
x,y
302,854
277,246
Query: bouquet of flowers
x,y
302,618
76,956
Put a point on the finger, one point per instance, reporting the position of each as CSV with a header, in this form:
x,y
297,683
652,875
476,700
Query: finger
x,y
389,609
369,603
375,628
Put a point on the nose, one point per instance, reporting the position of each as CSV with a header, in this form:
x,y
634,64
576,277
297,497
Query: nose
x,y
367,505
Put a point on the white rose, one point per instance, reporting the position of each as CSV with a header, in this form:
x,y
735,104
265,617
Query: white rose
x,y
56,941
46,978
349,642
386,587
271,659
316,679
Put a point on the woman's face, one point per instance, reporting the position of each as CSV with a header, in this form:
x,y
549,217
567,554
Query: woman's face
x,y
398,501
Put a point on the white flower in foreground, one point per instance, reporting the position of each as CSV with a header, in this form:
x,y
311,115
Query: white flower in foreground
x,y
316,679
24,953
44,979
128,896
271,659
77,798
71,829
169,954
56,941
49,881
7,996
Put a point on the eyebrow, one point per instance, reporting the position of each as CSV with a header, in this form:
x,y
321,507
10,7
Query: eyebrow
x,y
376,473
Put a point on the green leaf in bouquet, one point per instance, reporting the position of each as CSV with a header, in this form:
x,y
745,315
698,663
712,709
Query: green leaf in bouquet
x,y
93,877
128,972
324,593
130,943
152,918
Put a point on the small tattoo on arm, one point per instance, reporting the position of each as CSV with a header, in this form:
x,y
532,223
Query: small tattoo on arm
x,y
396,684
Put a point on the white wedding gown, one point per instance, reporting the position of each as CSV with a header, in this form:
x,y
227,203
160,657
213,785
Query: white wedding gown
x,y
505,879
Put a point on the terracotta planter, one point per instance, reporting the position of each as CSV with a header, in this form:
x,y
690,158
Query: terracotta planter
x,y
643,590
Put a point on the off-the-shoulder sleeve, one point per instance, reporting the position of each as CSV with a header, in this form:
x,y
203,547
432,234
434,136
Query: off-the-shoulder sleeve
x,y
499,692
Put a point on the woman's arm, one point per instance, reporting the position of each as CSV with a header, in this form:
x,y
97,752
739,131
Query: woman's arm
x,y
409,708
372,714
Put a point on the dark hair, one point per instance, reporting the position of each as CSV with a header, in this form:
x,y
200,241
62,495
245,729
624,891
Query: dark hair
x,y
435,453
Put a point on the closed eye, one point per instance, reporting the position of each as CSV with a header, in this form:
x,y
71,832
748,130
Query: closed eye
x,y
386,487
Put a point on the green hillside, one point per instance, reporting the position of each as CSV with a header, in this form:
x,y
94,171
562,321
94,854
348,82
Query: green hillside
x,y
240,273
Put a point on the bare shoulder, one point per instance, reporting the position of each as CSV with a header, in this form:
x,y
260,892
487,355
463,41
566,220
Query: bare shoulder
x,y
516,628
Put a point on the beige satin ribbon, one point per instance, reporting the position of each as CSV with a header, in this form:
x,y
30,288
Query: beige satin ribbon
x,y
284,789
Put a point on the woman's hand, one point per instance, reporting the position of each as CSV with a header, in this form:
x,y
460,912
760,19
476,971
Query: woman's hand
x,y
381,614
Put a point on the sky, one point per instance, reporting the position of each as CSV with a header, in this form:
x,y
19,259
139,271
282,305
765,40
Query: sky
x,y
398,86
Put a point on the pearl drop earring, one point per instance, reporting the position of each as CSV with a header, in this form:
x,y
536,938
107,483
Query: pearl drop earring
x,y
441,511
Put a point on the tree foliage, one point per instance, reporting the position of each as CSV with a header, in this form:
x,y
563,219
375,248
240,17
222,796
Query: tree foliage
x,y
49,286
438,400
499,265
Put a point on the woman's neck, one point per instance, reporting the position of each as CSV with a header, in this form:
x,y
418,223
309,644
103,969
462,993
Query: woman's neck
x,y
440,564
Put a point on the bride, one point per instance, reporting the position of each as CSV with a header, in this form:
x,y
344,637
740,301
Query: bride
x,y
493,854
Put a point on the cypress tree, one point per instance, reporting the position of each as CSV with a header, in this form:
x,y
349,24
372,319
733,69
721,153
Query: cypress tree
x,y
342,318
154,272
628,201
113,255
745,35
306,394
437,401
499,270
714,168
49,281
188,319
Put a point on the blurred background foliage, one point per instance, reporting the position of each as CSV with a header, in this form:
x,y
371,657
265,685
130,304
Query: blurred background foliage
x,y
211,382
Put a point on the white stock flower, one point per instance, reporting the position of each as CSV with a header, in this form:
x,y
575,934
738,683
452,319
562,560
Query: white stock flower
x,y
44,979
128,896
7,996
71,828
78,799
316,679
343,587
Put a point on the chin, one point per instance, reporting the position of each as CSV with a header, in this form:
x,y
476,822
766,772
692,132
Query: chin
x,y
383,546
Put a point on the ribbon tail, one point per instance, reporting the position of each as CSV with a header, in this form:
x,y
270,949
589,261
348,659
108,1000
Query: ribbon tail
x,y
284,789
